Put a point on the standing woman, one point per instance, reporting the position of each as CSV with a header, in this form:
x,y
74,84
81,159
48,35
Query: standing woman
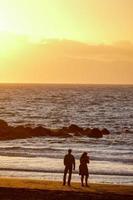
x,y
83,168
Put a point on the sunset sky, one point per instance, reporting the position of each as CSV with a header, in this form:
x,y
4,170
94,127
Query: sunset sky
x,y
66,41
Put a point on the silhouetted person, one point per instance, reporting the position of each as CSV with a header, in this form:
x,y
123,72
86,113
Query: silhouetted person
x,y
69,162
83,168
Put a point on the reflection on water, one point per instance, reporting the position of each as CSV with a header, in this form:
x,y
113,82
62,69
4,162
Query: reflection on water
x,y
62,105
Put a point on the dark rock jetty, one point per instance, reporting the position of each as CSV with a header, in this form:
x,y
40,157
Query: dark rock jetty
x,y
8,132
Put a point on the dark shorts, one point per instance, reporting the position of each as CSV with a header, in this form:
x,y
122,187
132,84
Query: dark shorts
x,y
68,169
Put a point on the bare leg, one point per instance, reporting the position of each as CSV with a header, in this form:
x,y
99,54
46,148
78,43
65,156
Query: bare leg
x,y
64,177
86,180
69,177
82,180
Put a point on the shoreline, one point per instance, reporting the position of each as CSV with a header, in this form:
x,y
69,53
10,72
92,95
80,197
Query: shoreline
x,y
20,188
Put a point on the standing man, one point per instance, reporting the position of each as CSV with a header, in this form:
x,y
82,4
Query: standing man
x,y
69,162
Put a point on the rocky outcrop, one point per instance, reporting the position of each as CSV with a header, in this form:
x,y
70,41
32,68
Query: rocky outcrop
x,y
86,131
3,124
105,131
95,133
40,131
75,129
10,132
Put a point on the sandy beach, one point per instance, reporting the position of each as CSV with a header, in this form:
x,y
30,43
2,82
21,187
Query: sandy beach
x,y
29,189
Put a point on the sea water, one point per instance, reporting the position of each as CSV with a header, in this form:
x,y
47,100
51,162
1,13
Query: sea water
x,y
55,106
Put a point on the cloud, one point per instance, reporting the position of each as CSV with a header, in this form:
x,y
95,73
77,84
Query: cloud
x,y
70,61
122,51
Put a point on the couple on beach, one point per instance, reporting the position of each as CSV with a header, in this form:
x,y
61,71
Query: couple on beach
x,y
69,162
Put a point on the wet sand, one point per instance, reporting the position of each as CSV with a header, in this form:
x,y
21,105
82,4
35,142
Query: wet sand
x,y
29,189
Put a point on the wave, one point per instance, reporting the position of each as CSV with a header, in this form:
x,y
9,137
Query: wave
x,y
110,173
49,153
27,148
113,159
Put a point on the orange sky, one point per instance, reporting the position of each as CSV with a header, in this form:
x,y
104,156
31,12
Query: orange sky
x,y
103,30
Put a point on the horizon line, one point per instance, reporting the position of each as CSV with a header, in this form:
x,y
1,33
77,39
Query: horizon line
x,y
52,83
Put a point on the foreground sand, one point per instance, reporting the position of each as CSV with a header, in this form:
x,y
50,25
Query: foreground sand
x,y
29,189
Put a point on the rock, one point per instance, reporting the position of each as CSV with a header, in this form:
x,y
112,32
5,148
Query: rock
x,y
41,131
75,129
3,124
95,133
128,131
105,131
19,132
86,131
22,131
63,132
4,129
77,134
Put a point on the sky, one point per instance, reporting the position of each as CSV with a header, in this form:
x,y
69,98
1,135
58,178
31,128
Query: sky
x,y
66,41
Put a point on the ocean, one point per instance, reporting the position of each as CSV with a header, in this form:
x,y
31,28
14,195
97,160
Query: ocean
x,y
55,106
